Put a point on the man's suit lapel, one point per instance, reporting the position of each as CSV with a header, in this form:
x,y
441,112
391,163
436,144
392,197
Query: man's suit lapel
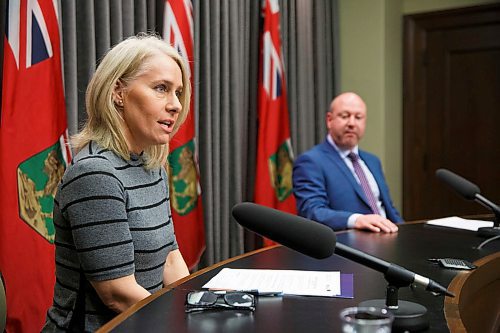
x,y
334,156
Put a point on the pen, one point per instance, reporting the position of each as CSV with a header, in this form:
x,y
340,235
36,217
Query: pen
x,y
254,292
269,293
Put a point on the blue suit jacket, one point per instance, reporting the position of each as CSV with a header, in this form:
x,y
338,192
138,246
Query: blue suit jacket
x,y
327,192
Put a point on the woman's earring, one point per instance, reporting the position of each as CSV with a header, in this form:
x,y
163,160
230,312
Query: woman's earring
x,y
120,102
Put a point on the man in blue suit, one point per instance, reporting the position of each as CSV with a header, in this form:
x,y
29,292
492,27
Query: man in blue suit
x,y
339,185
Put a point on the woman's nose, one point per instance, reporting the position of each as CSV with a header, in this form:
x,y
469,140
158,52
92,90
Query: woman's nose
x,y
174,104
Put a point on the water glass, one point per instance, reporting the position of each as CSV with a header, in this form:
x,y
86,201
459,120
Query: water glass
x,y
366,320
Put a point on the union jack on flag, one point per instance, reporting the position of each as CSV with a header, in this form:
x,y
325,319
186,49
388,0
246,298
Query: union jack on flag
x,y
38,45
180,14
272,67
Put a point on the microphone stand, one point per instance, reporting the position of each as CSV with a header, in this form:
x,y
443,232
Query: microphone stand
x,y
489,231
408,316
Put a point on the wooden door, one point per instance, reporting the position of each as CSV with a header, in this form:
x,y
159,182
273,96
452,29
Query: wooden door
x,y
451,108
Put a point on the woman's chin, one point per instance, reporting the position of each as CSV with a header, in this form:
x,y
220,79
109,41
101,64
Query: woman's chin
x,y
164,139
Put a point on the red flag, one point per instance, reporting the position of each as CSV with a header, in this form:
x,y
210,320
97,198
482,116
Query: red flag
x,y
273,181
34,155
185,190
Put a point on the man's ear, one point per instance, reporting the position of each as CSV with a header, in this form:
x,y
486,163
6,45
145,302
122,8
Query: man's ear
x,y
328,118
118,93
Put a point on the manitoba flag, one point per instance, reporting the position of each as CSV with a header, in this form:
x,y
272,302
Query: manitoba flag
x,y
273,181
34,156
185,190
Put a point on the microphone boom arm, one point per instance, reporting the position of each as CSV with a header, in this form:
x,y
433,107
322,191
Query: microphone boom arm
x,y
490,205
361,257
395,275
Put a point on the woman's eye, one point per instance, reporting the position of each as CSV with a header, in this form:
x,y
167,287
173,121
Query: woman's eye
x,y
161,88
178,94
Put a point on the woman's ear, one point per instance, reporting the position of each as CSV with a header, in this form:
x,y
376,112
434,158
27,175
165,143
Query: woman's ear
x,y
118,93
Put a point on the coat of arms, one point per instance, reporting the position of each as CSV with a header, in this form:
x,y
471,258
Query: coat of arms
x,y
280,170
37,180
184,185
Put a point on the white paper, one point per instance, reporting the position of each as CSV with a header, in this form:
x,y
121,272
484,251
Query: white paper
x,y
291,282
460,223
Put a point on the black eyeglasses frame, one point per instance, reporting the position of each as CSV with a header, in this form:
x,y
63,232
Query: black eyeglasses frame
x,y
217,304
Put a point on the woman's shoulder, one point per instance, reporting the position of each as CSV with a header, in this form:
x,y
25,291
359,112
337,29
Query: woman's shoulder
x,y
92,170
93,158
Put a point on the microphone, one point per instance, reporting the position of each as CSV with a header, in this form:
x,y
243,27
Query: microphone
x,y
319,241
471,191
310,238
461,185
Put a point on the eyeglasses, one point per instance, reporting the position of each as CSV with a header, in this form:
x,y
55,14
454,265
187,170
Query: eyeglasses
x,y
200,300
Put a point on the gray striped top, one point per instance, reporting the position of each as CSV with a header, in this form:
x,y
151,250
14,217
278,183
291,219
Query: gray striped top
x,y
112,219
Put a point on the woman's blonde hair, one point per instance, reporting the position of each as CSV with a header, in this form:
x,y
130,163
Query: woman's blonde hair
x,y
123,64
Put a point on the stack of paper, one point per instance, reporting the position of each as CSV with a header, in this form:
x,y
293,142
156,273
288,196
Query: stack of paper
x,y
290,282
460,223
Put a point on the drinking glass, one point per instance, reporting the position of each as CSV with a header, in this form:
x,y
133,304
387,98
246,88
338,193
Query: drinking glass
x,y
366,320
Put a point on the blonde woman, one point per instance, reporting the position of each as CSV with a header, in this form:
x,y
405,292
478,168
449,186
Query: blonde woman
x,y
115,242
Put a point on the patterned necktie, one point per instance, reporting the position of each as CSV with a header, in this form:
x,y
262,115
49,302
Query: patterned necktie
x,y
363,182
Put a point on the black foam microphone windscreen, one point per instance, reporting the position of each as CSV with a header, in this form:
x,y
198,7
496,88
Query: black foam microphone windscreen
x,y
461,185
305,236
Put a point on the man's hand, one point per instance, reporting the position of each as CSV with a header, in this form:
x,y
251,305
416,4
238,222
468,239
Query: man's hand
x,y
375,223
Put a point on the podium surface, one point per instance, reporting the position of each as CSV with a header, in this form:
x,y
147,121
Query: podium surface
x,y
410,248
